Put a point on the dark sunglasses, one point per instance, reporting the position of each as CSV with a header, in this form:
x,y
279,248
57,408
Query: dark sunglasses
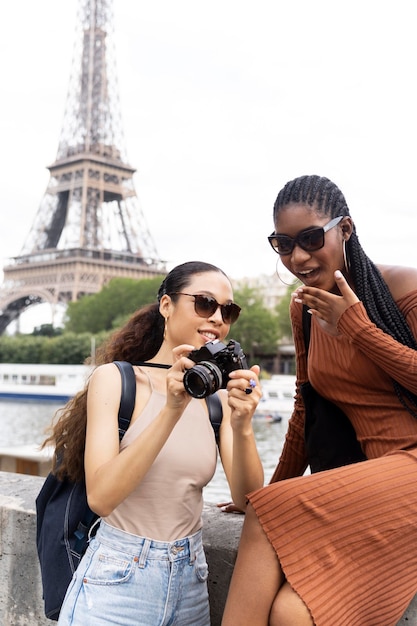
x,y
309,240
206,306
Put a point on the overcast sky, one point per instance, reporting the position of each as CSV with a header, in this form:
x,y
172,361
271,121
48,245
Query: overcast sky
x,y
222,103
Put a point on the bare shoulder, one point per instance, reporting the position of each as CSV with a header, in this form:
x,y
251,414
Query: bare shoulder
x,y
400,280
103,397
105,375
107,369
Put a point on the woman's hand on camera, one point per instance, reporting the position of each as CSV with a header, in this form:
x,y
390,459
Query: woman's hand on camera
x,y
244,393
177,397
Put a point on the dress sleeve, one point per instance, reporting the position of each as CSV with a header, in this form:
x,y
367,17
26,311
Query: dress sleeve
x,y
397,360
293,459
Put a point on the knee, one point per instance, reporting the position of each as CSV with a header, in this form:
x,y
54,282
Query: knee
x,y
288,609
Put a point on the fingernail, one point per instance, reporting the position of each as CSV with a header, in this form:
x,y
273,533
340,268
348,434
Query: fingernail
x,y
338,274
298,300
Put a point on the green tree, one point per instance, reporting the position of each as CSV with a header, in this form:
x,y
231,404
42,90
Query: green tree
x,y
283,314
46,330
21,349
256,329
91,320
67,349
116,301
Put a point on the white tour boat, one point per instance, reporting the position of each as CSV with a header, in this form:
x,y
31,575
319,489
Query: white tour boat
x,y
29,381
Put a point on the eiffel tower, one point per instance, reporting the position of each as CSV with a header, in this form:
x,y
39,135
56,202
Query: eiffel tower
x,y
89,227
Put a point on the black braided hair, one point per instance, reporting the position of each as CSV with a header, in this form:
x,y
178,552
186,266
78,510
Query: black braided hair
x,y
370,287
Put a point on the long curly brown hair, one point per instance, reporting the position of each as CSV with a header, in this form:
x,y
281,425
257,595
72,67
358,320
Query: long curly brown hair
x,y
138,340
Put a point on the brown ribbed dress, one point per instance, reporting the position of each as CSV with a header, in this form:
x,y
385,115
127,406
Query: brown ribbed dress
x,y
347,538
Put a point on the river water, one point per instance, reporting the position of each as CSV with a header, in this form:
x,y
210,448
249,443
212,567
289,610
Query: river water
x,y
23,423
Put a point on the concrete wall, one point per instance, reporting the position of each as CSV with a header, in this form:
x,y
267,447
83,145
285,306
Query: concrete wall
x,y
20,585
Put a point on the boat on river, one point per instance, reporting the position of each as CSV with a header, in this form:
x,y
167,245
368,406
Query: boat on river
x,y
29,381
277,400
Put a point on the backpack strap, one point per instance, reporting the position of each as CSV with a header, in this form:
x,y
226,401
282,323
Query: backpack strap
x,y
215,410
128,395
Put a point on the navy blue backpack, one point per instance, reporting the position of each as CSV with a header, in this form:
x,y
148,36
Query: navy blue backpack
x,y
63,517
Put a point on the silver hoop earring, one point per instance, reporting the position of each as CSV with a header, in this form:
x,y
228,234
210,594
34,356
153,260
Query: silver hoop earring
x,y
345,259
294,282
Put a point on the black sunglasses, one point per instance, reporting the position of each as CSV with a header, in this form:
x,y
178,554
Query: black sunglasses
x,y
206,306
309,240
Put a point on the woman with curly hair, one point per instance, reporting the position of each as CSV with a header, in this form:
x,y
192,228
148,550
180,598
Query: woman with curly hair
x,y
146,563
338,547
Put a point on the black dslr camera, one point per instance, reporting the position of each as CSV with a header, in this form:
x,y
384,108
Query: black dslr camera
x,y
214,362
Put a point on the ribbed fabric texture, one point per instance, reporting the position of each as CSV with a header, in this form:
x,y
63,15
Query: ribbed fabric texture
x,y
347,538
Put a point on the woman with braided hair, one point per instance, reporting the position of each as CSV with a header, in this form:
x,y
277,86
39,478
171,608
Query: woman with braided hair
x,y
338,547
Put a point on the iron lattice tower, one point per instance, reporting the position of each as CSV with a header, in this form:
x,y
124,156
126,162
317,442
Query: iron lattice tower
x,y
89,227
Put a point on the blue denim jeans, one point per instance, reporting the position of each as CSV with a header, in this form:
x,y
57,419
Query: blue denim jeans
x,y
126,580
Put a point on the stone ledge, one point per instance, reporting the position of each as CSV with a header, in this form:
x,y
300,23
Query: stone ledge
x,y
20,583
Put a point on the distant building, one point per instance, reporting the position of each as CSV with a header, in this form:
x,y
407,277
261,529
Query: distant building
x,y
270,287
272,290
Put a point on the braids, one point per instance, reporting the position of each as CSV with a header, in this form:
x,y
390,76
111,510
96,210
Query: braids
x,y
325,197
316,191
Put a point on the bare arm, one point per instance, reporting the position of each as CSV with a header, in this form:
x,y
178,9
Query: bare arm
x,y
238,450
112,475
345,313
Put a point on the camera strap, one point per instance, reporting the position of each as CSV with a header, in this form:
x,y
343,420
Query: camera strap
x,y
213,402
163,366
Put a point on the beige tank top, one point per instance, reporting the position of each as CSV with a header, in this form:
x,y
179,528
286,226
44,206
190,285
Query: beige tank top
x,y
168,503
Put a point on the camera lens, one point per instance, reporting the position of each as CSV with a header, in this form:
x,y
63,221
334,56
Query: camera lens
x,y
203,379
